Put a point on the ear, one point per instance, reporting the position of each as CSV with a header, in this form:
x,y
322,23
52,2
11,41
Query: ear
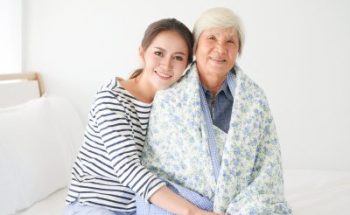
x,y
195,49
142,54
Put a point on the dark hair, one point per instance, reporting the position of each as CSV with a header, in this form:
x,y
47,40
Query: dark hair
x,y
159,26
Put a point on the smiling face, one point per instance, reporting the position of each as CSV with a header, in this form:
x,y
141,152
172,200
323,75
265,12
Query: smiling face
x,y
216,52
165,59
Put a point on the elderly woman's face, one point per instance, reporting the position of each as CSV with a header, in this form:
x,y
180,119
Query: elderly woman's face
x,y
217,50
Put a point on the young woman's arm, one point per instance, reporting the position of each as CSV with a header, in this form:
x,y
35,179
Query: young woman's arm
x,y
118,137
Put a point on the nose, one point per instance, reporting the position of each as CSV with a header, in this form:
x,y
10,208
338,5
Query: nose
x,y
166,63
220,48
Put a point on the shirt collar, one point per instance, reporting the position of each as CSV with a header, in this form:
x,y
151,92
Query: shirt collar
x,y
224,88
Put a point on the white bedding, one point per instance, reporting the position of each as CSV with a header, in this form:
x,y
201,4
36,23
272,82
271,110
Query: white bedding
x,y
309,192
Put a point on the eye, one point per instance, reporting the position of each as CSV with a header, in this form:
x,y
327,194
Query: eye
x,y
211,37
158,53
231,41
179,58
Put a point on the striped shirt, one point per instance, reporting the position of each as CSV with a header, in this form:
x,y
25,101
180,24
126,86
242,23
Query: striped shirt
x,y
107,171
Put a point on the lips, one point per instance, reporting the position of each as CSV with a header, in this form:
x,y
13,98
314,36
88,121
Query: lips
x,y
218,60
163,75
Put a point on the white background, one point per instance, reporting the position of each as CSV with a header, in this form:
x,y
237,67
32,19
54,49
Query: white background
x,y
10,36
298,51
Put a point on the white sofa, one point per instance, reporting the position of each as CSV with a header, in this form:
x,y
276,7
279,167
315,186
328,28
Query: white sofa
x,y
39,141
38,144
318,192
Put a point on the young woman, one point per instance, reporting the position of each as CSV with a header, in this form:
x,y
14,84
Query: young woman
x,y
108,173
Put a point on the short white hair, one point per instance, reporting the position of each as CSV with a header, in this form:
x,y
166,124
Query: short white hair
x,y
218,17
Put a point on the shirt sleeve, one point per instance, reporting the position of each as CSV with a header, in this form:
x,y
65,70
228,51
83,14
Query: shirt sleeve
x,y
116,131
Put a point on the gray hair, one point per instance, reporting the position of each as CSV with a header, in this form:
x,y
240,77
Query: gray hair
x,y
218,17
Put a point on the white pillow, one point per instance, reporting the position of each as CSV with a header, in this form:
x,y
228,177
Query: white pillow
x,y
38,142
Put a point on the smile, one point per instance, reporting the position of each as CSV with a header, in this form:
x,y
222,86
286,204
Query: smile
x,y
218,60
162,75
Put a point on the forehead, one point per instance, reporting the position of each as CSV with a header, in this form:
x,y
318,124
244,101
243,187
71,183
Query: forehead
x,y
221,32
171,41
166,36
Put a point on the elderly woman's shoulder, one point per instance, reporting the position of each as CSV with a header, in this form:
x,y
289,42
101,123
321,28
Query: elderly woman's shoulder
x,y
248,87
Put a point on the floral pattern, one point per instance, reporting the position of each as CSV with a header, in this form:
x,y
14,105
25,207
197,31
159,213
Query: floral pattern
x,y
250,179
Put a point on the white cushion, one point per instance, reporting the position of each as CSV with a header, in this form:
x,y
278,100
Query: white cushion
x,y
24,91
38,142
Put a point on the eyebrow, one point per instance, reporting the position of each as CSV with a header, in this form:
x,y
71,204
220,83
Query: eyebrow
x,y
181,53
218,34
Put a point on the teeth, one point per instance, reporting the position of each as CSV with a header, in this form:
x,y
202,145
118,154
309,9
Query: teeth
x,y
162,74
218,60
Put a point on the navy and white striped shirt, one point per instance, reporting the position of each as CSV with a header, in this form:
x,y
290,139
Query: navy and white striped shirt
x,y
107,171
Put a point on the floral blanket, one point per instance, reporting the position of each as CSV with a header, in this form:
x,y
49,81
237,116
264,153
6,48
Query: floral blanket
x,y
250,179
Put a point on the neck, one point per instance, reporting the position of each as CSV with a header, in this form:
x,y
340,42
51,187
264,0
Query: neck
x,y
145,92
212,83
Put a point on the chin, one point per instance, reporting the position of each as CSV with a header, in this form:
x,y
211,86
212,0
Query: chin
x,y
162,86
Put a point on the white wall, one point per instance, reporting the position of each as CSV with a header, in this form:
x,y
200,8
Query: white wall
x,y
296,50
10,36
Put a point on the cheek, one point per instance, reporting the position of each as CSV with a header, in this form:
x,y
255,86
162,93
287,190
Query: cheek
x,y
233,54
202,50
151,60
179,68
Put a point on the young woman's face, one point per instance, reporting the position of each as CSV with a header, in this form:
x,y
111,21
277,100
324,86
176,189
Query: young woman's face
x,y
165,59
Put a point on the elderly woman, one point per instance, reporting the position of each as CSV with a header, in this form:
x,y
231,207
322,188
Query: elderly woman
x,y
211,136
